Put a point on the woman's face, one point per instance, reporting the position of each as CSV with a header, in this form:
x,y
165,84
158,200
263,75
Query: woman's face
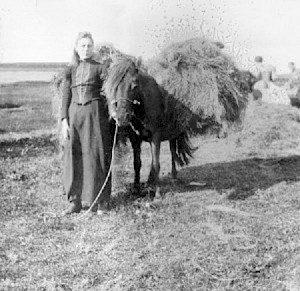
x,y
85,48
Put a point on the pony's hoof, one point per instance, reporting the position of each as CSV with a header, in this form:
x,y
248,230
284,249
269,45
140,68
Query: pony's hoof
x,y
149,192
158,198
158,195
136,190
177,181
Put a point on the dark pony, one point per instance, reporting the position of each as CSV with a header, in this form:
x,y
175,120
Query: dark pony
x,y
147,113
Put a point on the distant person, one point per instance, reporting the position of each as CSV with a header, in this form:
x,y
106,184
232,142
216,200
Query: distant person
x,y
294,73
293,84
85,129
293,70
265,74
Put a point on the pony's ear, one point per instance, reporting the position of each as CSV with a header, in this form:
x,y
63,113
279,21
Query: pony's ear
x,y
139,62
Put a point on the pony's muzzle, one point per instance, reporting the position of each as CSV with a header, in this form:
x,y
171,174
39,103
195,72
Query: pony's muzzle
x,y
124,120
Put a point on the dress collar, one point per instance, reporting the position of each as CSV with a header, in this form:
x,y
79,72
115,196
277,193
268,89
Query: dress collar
x,y
89,60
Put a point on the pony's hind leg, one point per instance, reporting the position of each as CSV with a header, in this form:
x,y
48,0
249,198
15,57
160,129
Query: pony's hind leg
x,y
155,165
172,143
152,174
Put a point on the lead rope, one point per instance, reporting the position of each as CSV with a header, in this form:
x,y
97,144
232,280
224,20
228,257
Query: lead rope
x,y
108,174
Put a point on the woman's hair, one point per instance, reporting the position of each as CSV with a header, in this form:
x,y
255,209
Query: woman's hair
x,y
84,34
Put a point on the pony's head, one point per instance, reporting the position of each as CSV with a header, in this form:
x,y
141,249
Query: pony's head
x,y
121,90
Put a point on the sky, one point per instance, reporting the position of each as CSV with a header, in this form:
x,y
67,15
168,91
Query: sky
x,y
45,30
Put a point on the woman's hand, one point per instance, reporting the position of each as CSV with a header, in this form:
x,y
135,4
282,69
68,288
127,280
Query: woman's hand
x,y
65,130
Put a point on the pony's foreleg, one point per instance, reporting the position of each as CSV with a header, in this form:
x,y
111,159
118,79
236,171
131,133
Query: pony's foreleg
x,y
137,163
155,165
172,143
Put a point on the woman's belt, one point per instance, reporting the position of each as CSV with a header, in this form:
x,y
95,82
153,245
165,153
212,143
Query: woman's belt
x,y
86,102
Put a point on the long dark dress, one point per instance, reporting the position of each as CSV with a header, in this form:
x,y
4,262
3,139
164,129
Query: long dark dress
x,y
87,154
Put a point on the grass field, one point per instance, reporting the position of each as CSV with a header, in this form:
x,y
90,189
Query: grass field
x,y
25,107
231,222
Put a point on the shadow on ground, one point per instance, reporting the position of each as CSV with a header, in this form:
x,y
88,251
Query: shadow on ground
x,y
241,177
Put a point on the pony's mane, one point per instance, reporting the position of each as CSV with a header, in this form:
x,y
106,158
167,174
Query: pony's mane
x,y
117,72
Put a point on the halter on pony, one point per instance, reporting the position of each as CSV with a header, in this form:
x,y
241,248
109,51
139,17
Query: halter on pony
x,y
121,90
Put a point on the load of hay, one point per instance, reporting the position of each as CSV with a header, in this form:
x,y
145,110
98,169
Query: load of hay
x,y
56,87
208,89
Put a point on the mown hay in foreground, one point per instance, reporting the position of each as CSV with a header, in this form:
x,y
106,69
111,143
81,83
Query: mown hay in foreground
x,y
203,79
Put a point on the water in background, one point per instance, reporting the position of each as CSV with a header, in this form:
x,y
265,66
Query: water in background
x,y
7,77
22,72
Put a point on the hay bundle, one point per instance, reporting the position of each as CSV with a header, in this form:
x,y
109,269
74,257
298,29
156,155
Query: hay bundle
x,y
56,86
203,80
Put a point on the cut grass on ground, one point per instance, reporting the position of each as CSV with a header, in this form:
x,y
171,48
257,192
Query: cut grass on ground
x,y
231,222
197,238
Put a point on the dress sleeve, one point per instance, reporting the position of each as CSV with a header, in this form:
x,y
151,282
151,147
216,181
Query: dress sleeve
x,y
66,93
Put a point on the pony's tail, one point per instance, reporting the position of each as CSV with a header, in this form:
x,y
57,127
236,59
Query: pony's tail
x,y
184,149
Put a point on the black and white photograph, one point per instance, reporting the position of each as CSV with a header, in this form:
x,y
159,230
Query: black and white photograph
x,y
149,145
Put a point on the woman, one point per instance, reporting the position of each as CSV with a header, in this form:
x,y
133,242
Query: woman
x,y
85,129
